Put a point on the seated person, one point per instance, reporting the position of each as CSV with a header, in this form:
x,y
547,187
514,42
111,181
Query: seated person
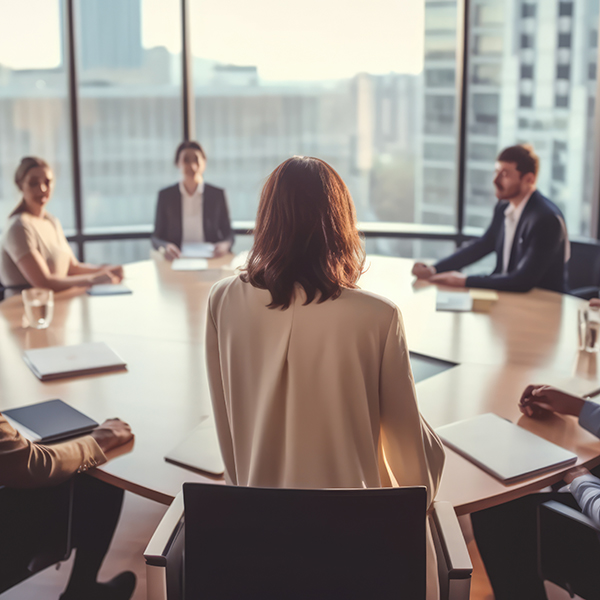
x,y
506,535
527,233
35,251
310,377
191,211
35,522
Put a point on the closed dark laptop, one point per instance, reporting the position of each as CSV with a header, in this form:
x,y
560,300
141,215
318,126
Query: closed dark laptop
x,y
50,421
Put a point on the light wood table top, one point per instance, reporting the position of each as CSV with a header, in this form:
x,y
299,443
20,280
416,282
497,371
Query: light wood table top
x,y
159,331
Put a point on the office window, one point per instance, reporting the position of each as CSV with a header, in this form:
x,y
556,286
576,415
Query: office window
x,y
526,40
440,46
564,40
130,109
487,74
34,109
488,45
489,14
561,101
369,97
485,110
482,152
437,151
563,71
440,77
528,9
439,115
526,71
592,69
565,9
440,17
525,101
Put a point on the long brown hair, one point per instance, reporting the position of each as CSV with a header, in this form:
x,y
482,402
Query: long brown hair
x,y
27,163
305,233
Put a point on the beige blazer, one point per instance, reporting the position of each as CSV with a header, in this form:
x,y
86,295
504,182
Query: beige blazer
x,y
24,464
317,396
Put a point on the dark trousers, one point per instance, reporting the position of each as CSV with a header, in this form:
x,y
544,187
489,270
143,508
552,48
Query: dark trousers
x,y
506,536
36,529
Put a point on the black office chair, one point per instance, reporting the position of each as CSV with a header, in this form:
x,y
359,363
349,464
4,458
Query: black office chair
x,y
23,516
569,550
247,543
584,270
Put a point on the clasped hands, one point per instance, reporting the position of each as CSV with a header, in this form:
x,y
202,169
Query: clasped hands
x,y
450,278
540,400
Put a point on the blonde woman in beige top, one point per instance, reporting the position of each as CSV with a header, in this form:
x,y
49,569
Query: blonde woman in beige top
x,y
35,251
310,377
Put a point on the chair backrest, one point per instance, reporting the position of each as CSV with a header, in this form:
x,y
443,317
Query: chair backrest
x,y
584,265
264,543
568,550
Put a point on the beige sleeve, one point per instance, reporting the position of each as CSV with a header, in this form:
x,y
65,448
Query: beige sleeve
x,y
412,452
25,464
19,241
215,380
64,240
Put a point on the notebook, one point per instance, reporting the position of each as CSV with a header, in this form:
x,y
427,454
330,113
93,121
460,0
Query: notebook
x,y
197,250
116,289
454,301
67,361
189,264
503,449
199,451
49,421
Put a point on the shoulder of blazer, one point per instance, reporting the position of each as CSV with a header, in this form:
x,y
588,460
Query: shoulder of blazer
x,y
213,189
213,193
540,207
170,193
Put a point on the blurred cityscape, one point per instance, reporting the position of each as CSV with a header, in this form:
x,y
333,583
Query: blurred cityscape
x,y
392,138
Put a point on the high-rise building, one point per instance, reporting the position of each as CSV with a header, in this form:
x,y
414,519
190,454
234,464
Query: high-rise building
x,y
531,78
112,34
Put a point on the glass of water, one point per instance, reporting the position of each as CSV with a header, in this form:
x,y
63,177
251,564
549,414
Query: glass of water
x,y
39,307
589,329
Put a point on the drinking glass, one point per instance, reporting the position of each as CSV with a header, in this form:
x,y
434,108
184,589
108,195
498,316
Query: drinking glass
x,y
589,329
39,307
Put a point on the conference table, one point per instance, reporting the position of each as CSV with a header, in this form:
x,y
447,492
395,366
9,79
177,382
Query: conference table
x,y
159,331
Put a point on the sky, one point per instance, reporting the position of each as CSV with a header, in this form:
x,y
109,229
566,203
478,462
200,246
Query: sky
x,y
286,39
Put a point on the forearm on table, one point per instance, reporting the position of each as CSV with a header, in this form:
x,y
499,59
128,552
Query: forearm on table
x,y
83,269
29,465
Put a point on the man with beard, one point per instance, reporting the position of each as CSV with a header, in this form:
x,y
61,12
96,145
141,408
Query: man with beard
x,y
527,233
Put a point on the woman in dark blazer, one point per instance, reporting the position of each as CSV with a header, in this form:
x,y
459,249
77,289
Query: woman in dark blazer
x,y
191,211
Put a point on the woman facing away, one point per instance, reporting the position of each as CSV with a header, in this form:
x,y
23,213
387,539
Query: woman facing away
x,y
310,377
34,250
191,212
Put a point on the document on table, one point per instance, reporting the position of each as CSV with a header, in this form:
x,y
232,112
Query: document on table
x,y
454,301
108,289
197,250
66,361
503,449
189,264
199,451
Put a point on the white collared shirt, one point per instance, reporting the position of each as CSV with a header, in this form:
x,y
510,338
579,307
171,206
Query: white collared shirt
x,y
512,216
192,225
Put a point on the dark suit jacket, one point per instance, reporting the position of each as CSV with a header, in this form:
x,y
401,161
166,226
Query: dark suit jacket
x,y
537,257
168,227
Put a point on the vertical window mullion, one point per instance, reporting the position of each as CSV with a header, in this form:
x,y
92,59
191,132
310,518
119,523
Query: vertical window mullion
x,y
74,124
